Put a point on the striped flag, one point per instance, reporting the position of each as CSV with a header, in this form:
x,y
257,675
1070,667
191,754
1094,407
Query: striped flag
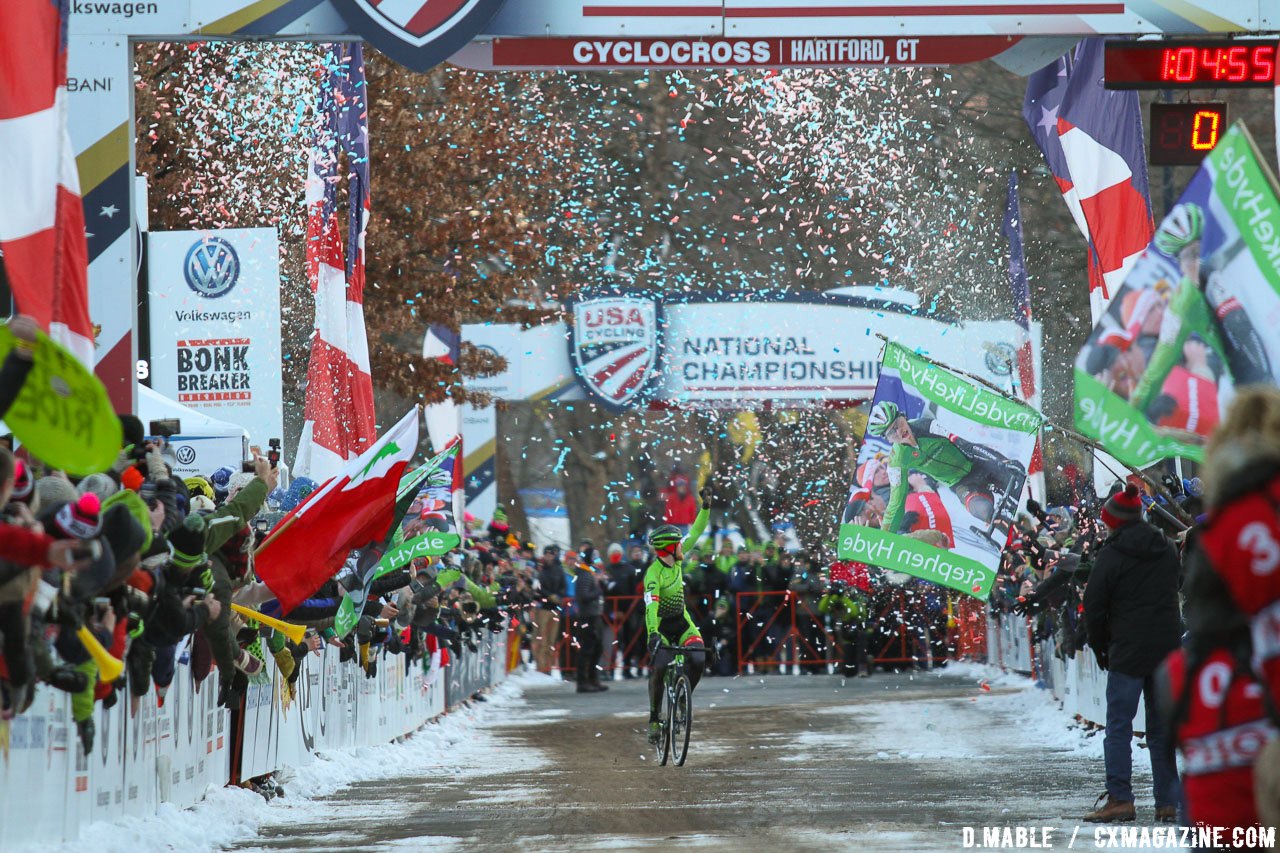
x,y
1020,311
339,409
42,235
1092,142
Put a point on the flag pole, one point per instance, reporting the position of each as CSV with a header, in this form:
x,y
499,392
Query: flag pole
x,y
1182,518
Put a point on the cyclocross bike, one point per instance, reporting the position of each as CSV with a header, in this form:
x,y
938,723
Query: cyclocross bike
x,y
676,714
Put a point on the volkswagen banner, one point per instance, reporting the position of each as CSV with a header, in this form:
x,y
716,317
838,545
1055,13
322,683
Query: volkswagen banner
x,y
214,306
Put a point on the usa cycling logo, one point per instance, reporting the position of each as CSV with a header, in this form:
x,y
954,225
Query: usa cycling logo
x,y
613,342
212,267
418,34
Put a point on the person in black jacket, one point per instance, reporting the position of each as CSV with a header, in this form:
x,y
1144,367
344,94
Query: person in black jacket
x,y
588,628
1131,613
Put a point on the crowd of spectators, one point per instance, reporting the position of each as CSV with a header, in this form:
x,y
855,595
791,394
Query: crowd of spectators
x,y
137,566
760,605
1171,586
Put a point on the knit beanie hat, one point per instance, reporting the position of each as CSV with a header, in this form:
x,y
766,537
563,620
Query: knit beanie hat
x,y
132,479
219,480
99,484
1122,508
199,486
500,518
186,543
52,490
122,531
23,484
201,504
81,518
238,481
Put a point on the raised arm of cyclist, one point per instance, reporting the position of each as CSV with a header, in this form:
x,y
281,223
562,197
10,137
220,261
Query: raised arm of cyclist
x,y
665,617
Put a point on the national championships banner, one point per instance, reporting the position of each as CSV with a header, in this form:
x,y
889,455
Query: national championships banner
x,y
939,475
1195,318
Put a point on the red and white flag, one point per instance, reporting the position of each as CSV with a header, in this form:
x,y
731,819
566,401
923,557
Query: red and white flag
x,y
41,216
339,412
349,511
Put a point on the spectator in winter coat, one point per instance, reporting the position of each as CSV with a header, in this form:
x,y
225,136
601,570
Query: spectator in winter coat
x,y
681,504
546,619
1131,613
1233,620
588,628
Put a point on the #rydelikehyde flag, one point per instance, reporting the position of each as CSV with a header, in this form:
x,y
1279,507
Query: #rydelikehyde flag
x,y
956,456
339,413
444,419
349,511
1195,319
1091,138
42,235
1020,311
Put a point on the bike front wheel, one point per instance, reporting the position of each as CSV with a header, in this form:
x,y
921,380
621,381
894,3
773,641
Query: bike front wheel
x,y
681,720
664,719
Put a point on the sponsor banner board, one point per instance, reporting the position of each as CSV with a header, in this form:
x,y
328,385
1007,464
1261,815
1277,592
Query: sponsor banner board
x,y
214,306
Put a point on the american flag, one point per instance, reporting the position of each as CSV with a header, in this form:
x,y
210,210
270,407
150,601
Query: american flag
x,y
339,409
1092,141
1020,311
41,220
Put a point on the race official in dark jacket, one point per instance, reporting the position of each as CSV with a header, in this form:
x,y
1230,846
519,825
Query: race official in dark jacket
x,y
588,628
1131,613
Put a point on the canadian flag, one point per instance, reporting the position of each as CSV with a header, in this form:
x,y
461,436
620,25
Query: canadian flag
x,y
41,218
349,511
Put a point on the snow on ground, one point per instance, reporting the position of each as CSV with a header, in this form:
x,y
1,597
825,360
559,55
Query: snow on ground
x,y
456,744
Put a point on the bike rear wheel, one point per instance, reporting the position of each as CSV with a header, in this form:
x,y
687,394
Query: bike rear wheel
x,y
664,739
681,720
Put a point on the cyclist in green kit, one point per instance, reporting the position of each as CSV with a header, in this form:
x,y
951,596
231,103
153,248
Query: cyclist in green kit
x,y
665,617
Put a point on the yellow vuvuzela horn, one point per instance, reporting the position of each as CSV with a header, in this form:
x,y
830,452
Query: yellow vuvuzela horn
x,y
290,630
109,668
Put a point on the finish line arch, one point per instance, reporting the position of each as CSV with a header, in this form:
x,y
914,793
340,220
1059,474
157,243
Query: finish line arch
x,y
550,34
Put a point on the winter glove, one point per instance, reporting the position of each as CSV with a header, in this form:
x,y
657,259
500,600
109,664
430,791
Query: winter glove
x,y
655,640
704,496
713,655
1102,657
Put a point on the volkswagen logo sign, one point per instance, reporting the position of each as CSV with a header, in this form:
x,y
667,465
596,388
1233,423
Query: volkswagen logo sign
x,y
1000,358
212,267
186,454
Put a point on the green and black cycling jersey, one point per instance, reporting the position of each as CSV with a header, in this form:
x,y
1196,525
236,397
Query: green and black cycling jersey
x,y
664,610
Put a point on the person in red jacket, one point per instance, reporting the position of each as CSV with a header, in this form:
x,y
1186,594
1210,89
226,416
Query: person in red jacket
x,y
681,507
1235,561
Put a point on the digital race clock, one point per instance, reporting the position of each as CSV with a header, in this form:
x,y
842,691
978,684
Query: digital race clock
x,y
1190,64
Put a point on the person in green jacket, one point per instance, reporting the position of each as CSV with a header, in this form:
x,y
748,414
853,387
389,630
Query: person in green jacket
x,y
970,470
666,618
848,611
221,525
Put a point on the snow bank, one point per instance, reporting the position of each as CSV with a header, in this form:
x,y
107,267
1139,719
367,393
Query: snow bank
x,y
451,746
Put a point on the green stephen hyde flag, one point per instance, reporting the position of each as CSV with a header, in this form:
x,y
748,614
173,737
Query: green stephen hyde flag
x,y
1195,319
939,475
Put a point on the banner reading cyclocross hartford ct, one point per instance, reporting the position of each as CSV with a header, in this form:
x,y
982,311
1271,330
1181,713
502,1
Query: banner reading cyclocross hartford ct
x,y
939,475
1195,319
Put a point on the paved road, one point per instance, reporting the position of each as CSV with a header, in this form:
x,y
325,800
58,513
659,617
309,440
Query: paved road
x,y
777,763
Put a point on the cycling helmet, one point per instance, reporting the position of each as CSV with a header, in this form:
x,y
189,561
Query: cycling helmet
x,y
882,417
1182,227
666,537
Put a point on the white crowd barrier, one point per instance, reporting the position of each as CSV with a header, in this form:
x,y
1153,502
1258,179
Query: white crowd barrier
x,y
50,790
1076,682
